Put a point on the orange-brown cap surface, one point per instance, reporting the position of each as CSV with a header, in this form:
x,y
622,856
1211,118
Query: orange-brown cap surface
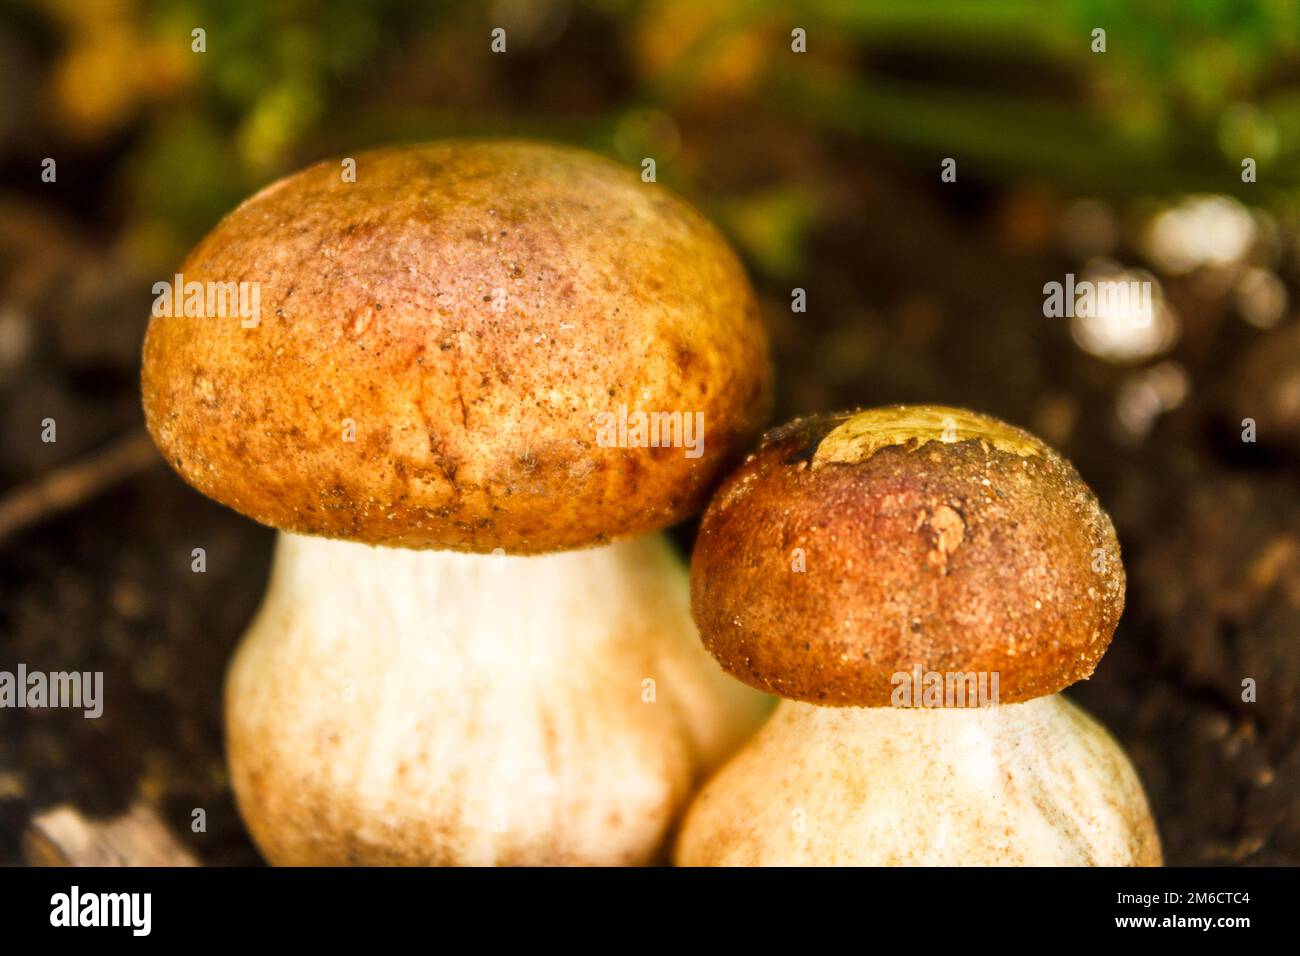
x,y
448,349
854,547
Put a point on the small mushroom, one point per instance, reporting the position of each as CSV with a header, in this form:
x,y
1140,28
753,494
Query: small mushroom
x,y
919,582
476,646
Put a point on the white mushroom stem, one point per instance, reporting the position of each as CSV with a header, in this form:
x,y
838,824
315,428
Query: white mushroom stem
x,y
1038,783
390,706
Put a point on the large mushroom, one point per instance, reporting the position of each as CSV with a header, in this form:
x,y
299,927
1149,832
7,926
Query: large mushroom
x,y
475,647
919,582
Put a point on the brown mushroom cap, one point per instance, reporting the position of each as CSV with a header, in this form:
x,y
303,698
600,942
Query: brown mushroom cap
x,y
928,536
472,308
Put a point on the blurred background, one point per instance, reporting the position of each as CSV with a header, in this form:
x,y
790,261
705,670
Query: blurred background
x,y
824,169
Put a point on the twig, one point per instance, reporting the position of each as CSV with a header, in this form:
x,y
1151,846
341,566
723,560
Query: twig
x,y
73,484
63,837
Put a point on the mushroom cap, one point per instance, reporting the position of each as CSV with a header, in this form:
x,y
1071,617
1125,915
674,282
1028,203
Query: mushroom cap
x,y
854,547
470,314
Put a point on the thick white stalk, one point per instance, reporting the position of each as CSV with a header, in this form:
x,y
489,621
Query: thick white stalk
x,y
1038,783
390,706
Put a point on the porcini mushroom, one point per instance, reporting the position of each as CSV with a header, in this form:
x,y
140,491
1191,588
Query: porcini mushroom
x,y
476,646
851,552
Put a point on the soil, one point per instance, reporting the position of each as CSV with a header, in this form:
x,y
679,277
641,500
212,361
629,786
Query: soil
x,y
913,296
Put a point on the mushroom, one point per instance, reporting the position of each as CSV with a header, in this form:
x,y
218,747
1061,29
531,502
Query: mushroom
x,y
854,553
476,645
